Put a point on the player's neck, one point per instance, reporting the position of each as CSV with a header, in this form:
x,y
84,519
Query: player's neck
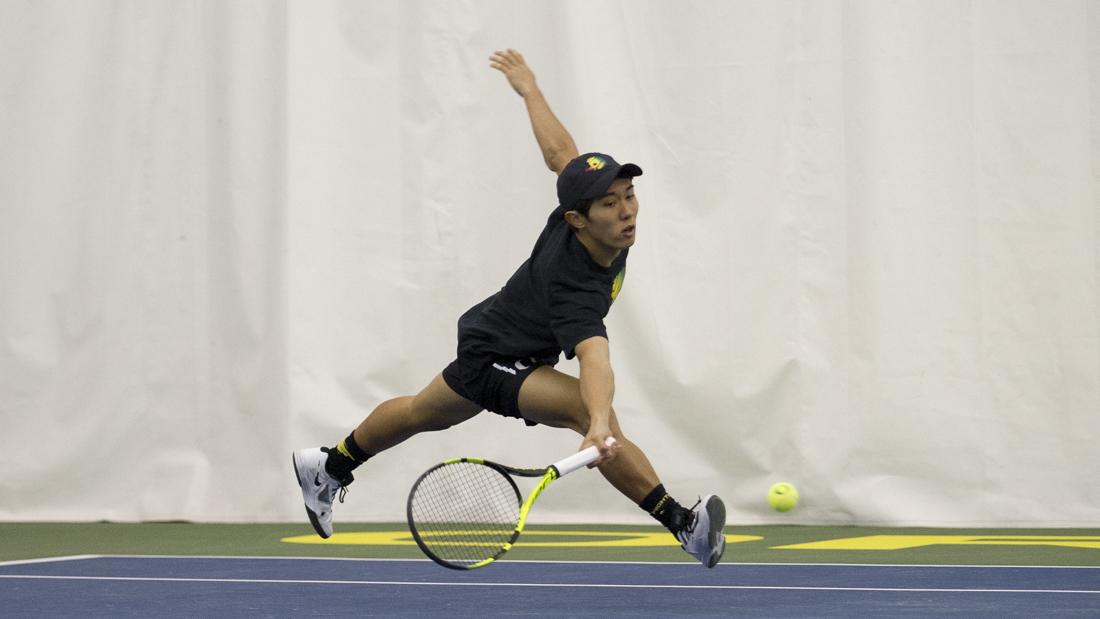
x,y
601,254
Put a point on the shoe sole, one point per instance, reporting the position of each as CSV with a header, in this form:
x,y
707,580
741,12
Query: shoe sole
x,y
716,511
309,512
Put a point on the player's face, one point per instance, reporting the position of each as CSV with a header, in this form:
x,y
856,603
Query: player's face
x,y
612,219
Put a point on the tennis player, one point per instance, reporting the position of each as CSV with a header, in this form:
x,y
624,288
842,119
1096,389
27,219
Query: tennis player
x,y
509,343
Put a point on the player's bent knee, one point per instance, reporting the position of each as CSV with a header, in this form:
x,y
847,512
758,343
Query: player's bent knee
x,y
434,419
431,421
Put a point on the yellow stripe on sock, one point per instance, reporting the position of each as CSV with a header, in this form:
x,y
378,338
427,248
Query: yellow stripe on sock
x,y
342,448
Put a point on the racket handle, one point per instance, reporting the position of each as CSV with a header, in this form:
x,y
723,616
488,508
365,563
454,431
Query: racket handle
x,y
580,459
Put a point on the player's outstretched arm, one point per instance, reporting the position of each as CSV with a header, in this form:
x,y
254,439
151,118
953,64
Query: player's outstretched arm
x,y
597,383
556,144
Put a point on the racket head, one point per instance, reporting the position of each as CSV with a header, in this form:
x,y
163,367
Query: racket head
x,y
463,513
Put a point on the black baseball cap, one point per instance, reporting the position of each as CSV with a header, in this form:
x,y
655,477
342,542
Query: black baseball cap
x,y
589,176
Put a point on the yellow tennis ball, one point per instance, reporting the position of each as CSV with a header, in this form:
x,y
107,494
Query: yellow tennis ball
x,y
782,497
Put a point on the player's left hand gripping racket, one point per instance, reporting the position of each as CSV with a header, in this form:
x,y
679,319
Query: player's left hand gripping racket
x,y
467,512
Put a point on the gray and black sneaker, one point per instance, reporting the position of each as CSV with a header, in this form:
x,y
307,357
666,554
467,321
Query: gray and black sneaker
x,y
702,538
319,489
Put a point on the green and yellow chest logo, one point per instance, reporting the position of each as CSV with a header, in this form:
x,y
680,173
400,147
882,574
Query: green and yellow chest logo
x,y
617,285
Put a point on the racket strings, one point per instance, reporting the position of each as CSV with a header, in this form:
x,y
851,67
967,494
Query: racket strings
x,y
465,512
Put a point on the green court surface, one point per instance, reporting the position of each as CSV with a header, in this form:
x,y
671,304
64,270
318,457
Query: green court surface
x,y
746,544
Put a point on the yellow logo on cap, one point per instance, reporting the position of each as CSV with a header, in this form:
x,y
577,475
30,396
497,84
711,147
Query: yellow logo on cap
x,y
595,163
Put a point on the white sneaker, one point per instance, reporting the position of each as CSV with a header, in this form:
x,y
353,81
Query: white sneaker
x,y
702,538
318,487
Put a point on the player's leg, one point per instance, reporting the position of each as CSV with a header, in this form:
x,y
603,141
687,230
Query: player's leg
x,y
436,407
552,398
323,472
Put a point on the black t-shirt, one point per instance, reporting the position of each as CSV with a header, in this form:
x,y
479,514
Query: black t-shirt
x,y
555,300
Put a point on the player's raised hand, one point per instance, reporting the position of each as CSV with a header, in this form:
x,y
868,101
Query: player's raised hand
x,y
512,65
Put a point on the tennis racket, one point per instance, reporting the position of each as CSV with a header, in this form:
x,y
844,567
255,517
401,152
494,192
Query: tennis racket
x,y
467,512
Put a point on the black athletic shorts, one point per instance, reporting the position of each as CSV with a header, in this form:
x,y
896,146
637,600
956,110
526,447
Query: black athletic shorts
x,y
491,381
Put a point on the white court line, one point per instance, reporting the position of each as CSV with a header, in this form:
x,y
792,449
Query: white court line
x,y
48,560
529,585
544,561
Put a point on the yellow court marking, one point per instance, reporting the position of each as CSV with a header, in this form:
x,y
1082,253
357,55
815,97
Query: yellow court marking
x,y
529,539
903,542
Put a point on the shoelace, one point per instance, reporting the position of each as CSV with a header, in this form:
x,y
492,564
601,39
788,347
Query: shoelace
x,y
690,527
344,483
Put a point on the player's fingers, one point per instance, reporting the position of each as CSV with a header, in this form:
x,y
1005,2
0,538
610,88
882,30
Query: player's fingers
x,y
600,461
608,450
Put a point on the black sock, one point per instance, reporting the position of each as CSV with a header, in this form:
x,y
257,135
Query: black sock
x,y
344,458
666,510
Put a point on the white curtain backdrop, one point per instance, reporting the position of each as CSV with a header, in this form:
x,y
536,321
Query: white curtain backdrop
x,y
867,261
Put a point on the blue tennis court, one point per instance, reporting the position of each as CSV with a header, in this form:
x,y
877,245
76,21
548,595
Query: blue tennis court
x,y
120,586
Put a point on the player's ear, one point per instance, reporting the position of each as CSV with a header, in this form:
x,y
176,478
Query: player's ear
x,y
576,220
